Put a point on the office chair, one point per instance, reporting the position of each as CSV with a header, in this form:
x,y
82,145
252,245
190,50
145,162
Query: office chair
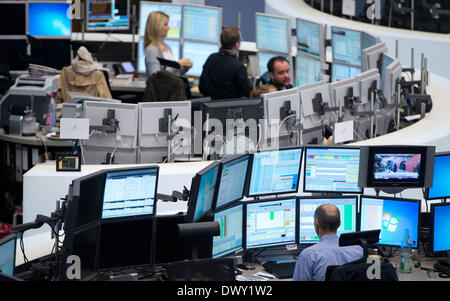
x,y
219,269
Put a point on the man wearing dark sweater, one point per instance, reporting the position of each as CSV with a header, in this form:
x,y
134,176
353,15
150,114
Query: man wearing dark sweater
x,y
224,76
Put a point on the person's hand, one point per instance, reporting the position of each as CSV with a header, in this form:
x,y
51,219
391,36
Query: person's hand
x,y
184,62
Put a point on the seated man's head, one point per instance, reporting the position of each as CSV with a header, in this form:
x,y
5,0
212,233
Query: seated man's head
x,y
327,219
230,38
278,68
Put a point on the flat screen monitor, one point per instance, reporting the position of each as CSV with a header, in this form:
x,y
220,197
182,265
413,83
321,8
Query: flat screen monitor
x,y
392,74
440,216
370,56
12,53
310,38
270,222
368,81
231,225
347,206
107,15
313,98
346,45
441,181
398,219
263,60
232,177
202,23
272,33
341,72
386,60
174,46
279,106
172,10
307,70
333,169
12,18
203,189
367,40
54,53
49,19
275,172
198,53
341,93
130,193
8,254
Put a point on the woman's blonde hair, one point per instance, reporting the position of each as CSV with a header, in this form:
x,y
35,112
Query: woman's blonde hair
x,y
153,29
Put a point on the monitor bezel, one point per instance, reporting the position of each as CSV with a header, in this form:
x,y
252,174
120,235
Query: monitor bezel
x,y
322,35
427,190
249,175
300,198
107,29
297,219
393,199
288,32
333,48
7,239
433,212
134,216
222,209
329,147
231,159
27,27
407,149
193,193
183,38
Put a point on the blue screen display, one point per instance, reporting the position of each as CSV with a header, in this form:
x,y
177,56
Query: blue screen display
x,y
198,53
7,257
232,181
346,46
386,61
201,24
275,172
397,219
230,238
272,34
368,40
206,193
308,37
441,181
307,70
173,11
48,19
341,72
441,233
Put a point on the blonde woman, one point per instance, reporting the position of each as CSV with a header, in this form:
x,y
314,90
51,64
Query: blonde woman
x,y
156,31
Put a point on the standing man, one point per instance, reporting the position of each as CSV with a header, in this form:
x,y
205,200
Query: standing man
x,y
224,75
280,77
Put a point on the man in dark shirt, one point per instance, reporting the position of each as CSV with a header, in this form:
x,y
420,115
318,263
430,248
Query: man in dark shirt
x,y
224,76
280,77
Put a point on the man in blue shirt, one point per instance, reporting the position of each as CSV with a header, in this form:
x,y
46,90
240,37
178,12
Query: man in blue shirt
x,y
313,261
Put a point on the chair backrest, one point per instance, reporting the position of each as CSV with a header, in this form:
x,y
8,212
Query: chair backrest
x,y
358,271
218,269
165,86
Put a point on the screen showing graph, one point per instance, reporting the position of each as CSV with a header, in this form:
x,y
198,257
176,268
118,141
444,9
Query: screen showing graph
x,y
173,11
201,23
231,228
272,34
308,37
271,223
331,170
275,172
307,70
347,209
108,14
342,72
346,45
398,220
206,190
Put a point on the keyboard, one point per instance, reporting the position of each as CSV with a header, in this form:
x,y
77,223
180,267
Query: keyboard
x,y
281,270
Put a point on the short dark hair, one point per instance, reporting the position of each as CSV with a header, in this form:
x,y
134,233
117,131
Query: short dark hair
x,y
327,221
229,37
272,61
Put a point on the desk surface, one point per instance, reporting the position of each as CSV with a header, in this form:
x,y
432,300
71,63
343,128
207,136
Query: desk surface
x,y
37,140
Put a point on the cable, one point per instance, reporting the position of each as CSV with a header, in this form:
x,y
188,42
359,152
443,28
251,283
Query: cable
x,y
45,147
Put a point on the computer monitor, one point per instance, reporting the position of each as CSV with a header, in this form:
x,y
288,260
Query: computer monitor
x,y
231,226
49,19
397,218
347,206
311,38
440,217
130,193
345,93
272,33
406,166
263,60
386,60
198,53
367,80
441,182
111,125
314,98
174,46
368,40
8,254
170,9
12,18
370,56
203,189
231,181
393,74
346,45
107,15
331,169
12,53
307,70
341,72
275,172
270,222
202,23
54,53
